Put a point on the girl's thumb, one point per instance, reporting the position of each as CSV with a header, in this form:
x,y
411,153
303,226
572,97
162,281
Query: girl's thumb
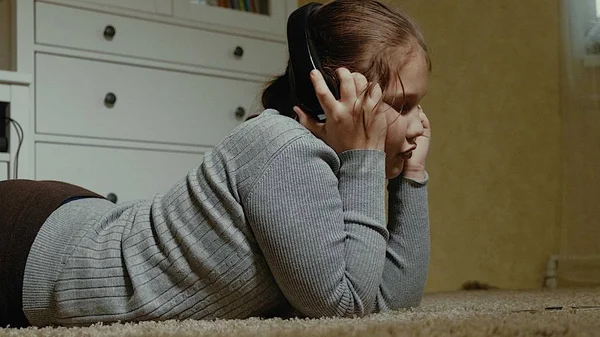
x,y
307,122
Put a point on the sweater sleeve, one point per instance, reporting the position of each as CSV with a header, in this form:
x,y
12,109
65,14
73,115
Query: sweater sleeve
x,y
408,247
320,222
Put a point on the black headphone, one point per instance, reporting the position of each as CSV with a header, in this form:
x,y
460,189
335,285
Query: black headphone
x,y
303,59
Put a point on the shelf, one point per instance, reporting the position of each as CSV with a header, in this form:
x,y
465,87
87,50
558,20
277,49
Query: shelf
x,y
4,157
12,77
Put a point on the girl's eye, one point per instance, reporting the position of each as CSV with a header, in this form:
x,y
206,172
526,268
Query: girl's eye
x,y
405,108
401,108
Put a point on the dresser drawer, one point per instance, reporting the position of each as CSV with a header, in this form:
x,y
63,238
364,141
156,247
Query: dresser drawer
x,y
73,98
128,174
82,29
149,6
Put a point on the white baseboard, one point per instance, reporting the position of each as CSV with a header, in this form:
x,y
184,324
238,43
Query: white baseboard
x,y
573,271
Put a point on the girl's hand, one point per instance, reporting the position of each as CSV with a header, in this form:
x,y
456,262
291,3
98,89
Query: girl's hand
x,y
414,167
353,121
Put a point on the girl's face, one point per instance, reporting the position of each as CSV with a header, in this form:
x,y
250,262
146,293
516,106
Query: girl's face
x,y
404,123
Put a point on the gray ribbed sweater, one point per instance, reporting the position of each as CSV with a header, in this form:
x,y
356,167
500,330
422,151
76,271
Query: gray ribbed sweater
x,y
272,221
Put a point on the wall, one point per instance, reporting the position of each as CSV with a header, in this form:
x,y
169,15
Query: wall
x,y
496,159
5,35
495,165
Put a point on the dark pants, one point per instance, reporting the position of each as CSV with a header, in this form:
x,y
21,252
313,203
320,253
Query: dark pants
x,y
24,206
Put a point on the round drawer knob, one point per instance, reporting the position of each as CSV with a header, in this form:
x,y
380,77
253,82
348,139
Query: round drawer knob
x,y
112,198
240,112
109,32
238,52
110,99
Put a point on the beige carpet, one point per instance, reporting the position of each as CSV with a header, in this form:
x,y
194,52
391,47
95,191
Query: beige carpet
x,y
574,312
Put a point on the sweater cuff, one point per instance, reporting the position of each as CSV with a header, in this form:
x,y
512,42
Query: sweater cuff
x,y
396,183
423,181
361,184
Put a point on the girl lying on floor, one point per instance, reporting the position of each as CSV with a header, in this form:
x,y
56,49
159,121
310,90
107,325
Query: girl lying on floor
x,y
285,216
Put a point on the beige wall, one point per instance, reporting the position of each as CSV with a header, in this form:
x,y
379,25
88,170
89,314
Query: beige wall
x,y
495,164
5,35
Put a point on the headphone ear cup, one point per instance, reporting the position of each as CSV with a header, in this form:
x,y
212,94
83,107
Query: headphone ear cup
x,y
291,80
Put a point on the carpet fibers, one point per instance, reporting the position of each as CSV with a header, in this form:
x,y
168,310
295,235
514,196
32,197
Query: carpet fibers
x,y
566,312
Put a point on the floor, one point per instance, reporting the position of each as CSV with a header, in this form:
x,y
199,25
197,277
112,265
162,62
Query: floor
x,y
568,312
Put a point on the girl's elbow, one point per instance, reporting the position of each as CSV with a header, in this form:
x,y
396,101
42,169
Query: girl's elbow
x,y
411,300
349,306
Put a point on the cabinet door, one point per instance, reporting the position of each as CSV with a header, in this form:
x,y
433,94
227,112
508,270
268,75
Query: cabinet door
x,y
254,15
150,6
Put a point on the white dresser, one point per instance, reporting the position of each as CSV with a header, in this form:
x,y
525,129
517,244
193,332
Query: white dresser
x,y
129,94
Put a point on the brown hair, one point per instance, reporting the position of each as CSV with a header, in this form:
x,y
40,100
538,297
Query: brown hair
x,y
360,35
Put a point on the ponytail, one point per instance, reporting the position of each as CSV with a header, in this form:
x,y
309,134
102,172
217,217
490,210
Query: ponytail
x,y
278,95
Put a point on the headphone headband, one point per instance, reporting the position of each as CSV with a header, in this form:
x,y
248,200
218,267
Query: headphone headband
x,y
303,59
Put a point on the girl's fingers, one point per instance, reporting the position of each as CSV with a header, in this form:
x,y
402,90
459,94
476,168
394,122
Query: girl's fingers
x,y
375,92
324,95
372,98
347,88
424,119
425,123
361,84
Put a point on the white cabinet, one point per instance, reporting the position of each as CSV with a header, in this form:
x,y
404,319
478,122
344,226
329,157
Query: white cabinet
x,y
129,94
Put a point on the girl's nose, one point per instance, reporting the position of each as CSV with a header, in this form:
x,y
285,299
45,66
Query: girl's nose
x,y
415,126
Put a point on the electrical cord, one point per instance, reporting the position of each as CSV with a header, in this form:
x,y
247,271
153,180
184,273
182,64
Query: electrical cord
x,y
21,136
